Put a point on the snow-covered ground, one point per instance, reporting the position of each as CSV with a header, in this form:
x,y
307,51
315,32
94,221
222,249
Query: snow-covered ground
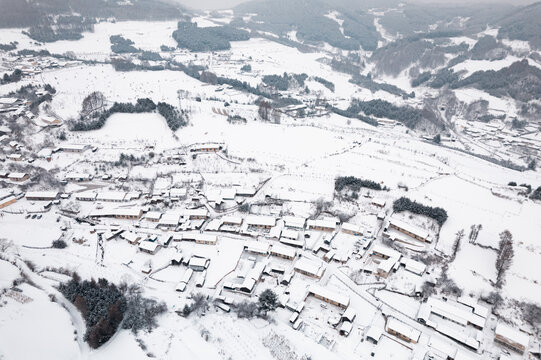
x,y
295,164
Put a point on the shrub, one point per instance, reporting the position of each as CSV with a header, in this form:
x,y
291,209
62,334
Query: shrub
x,y
59,244
536,195
141,313
268,300
246,309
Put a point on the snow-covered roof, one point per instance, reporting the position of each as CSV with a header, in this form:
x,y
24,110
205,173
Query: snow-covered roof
x,y
17,175
187,276
261,220
328,294
294,221
374,332
75,175
153,215
42,194
387,265
380,249
195,212
478,309
8,100
290,234
403,329
130,236
352,227
455,311
206,238
309,266
259,247
349,314
410,228
7,199
89,194
236,220
198,261
379,202
292,242
74,147
414,266
111,195
229,193
177,192
5,129
330,224
129,212
149,245
283,250
346,327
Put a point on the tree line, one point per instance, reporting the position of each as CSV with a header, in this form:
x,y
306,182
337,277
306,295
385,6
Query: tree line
x,y
174,117
355,184
405,204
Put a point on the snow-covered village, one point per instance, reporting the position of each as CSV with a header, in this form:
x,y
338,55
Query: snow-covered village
x,y
270,179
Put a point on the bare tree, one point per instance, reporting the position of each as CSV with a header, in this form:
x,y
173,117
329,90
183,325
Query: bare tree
x,y
95,101
456,246
209,77
264,110
276,116
505,257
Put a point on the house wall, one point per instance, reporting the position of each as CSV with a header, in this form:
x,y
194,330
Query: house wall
x,y
330,301
321,228
24,178
512,345
400,336
282,256
7,203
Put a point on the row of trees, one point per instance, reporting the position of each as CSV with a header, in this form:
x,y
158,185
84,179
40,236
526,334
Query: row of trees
x,y
405,204
505,257
285,81
92,118
354,184
368,83
407,115
328,84
352,112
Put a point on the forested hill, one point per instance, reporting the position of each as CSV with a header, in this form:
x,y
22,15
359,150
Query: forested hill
x,y
21,13
523,24
311,20
519,81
